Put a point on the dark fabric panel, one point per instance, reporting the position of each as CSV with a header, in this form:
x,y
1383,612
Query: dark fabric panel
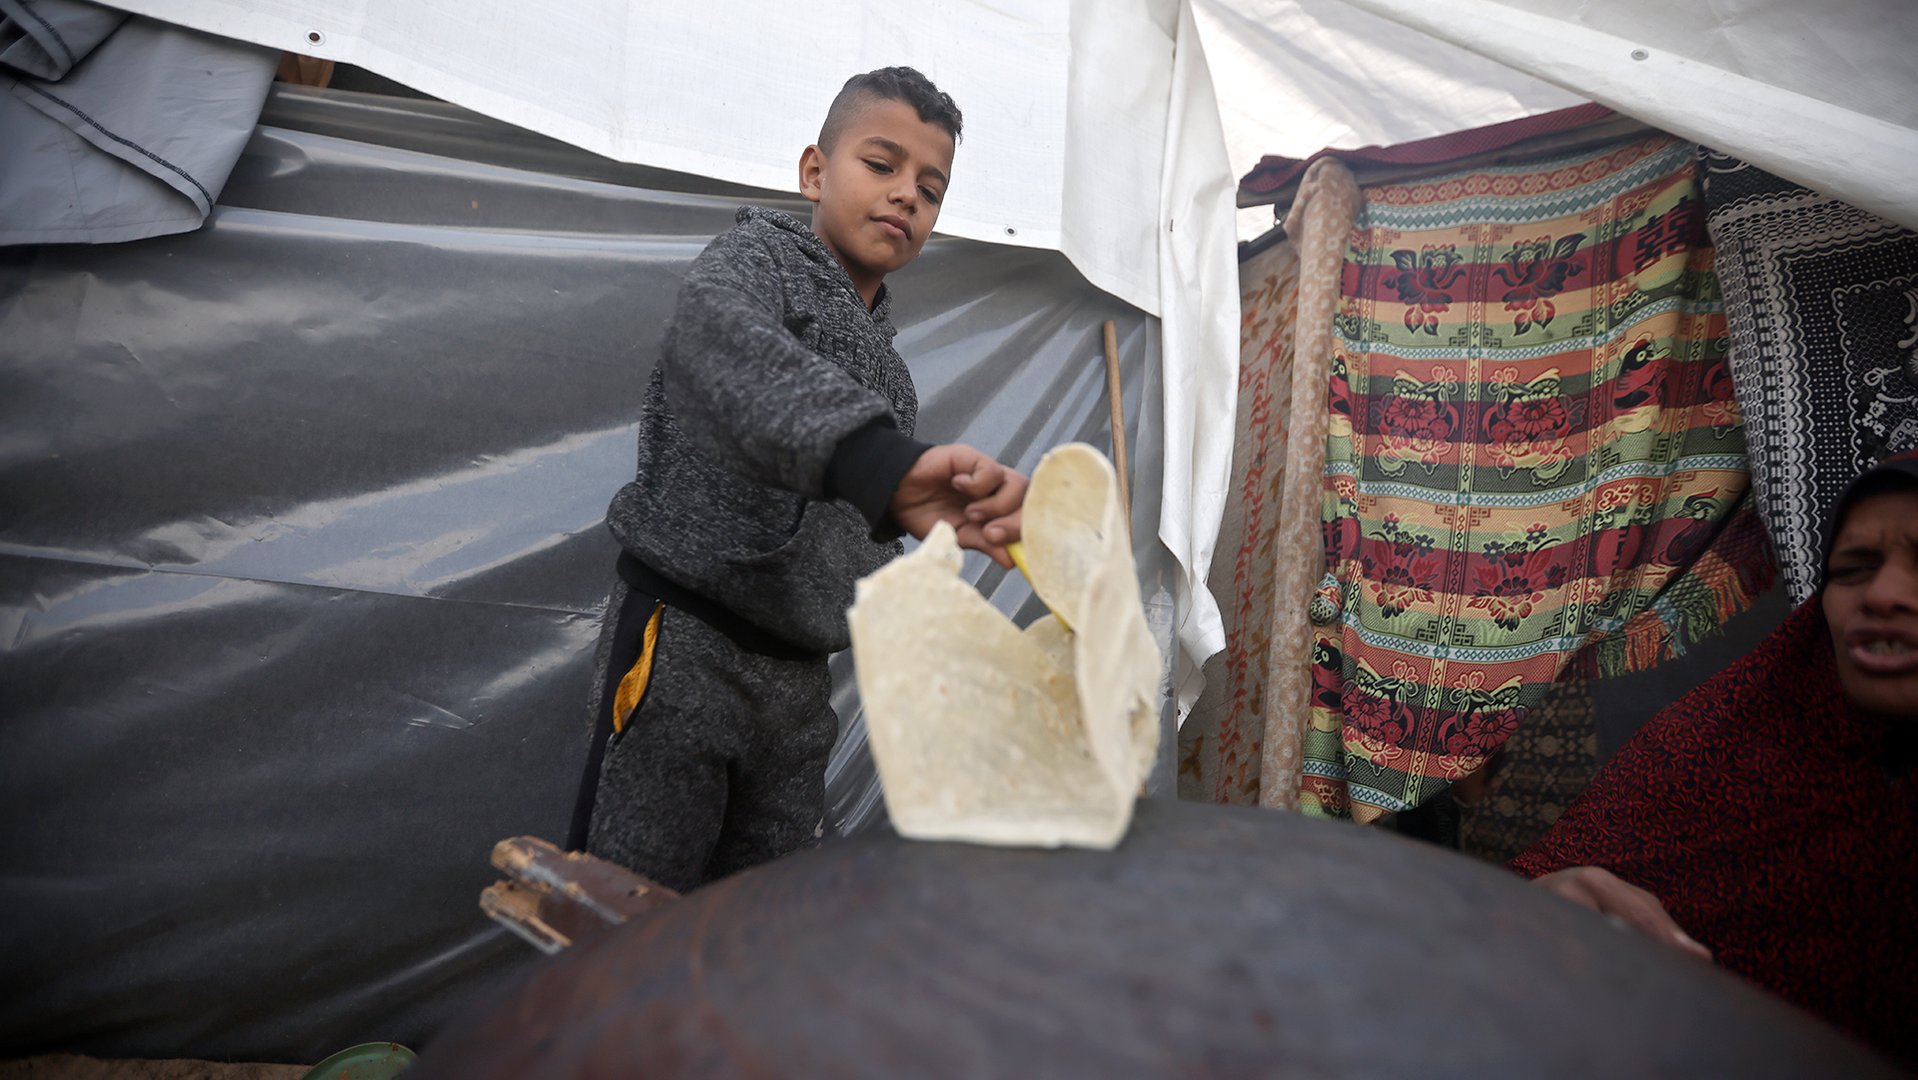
x,y
252,819
1625,702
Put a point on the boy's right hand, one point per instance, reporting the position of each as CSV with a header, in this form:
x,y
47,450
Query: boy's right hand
x,y
966,489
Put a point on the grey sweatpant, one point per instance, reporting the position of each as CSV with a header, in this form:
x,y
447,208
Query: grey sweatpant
x,y
722,765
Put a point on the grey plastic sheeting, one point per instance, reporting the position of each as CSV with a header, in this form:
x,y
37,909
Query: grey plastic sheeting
x,y
117,128
302,557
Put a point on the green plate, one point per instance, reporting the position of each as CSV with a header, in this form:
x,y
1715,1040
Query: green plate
x,y
367,1061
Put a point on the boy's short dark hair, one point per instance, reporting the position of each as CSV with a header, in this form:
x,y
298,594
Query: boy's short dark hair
x,y
905,84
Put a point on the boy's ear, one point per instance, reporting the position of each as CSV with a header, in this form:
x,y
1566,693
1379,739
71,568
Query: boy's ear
x,y
811,164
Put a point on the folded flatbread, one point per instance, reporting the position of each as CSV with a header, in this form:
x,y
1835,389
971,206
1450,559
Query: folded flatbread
x,y
987,733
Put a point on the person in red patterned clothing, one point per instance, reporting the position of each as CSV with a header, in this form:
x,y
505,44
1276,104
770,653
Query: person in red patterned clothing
x,y
1768,820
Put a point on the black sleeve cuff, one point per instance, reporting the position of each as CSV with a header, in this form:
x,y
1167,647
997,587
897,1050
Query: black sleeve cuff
x,y
866,468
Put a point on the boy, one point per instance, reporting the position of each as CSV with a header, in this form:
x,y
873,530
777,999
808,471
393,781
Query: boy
x,y
776,468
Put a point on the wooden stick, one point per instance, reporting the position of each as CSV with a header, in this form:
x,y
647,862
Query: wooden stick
x,y
1116,396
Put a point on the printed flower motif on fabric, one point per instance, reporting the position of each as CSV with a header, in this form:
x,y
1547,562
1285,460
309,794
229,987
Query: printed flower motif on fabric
x,y
1338,399
1424,281
1384,722
1528,424
1638,394
1418,422
1407,573
1383,726
1325,725
1327,603
1339,527
1538,270
1328,682
1621,518
1701,514
1373,715
1381,721
1474,740
1721,402
1495,709
1514,576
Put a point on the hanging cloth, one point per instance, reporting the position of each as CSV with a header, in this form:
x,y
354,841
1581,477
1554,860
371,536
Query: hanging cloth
x,y
1821,300
1245,743
1533,446
1219,743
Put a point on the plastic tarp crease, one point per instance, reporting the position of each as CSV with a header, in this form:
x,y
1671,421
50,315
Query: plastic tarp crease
x,y
302,557
116,128
44,39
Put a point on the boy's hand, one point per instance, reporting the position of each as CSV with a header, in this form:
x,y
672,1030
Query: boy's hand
x,y
968,490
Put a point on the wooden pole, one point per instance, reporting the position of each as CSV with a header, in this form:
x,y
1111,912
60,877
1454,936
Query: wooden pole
x,y
1115,395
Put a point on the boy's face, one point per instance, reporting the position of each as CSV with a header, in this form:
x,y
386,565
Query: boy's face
x,y
877,193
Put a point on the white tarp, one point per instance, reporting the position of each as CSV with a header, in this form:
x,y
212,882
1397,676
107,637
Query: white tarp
x,y
736,89
1824,95
1296,76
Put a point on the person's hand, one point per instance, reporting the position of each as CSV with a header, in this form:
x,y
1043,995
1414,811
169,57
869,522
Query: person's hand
x,y
966,489
1604,892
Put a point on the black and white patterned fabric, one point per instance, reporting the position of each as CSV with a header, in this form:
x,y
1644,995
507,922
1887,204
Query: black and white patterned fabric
x,y
1822,302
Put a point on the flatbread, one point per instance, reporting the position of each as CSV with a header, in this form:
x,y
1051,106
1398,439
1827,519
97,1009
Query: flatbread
x,y
985,733
1078,544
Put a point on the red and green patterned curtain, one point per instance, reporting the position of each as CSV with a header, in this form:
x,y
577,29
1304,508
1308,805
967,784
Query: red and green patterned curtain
x,y
1534,454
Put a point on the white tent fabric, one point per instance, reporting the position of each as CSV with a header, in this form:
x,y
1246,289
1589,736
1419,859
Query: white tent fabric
x,y
735,90
1823,95
1296,76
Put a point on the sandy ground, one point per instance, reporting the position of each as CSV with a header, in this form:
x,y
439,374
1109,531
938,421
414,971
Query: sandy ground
x,y
76,1067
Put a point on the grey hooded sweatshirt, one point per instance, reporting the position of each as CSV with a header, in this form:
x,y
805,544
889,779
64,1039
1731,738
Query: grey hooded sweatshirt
x,y
775,428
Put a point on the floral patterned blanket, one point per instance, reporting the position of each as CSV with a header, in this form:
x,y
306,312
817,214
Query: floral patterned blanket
x,y
1533,448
